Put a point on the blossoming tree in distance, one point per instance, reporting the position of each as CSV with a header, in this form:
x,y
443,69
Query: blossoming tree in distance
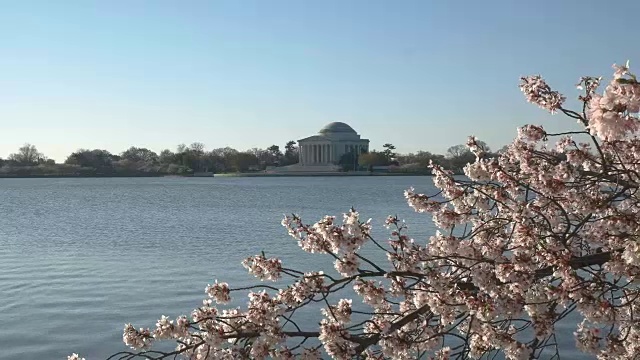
x,y
545,230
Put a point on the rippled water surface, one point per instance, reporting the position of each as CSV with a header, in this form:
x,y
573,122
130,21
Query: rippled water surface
x,y
81,257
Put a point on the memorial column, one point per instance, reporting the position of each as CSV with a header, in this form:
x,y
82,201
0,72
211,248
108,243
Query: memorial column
x,y
324,154
300,155
306,154
303,156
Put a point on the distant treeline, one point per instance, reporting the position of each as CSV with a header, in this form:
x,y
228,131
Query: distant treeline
x,y
454,159
187,160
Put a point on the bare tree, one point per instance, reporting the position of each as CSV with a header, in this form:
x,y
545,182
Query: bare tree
x,y
28,154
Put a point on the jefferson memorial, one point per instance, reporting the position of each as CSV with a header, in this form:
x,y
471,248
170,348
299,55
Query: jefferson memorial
x,y
322,152
331,142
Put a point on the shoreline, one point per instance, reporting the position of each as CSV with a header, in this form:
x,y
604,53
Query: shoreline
x,y
325,174
55,176
319,174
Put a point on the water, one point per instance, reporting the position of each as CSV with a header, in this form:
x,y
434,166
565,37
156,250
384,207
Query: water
x,y
79,258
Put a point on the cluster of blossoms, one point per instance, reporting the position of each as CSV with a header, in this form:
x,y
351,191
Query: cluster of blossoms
x,y
537,91
263,268
340,313
325,237
310,284
336,341
526,238
613,115
219,291
166,329
137,339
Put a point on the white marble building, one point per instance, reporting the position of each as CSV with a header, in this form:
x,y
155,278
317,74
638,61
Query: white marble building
x,y
331,142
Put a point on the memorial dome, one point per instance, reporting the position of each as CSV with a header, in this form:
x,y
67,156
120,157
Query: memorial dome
x,y
337,127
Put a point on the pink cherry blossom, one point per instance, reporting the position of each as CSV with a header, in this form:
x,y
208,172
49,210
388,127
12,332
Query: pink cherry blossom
x,y
263,268
538,92
219,291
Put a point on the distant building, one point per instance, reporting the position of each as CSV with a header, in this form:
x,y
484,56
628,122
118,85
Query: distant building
x,y
330,144
321,153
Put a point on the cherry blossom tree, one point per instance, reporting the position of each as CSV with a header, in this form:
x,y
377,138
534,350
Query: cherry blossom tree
x,y
548,229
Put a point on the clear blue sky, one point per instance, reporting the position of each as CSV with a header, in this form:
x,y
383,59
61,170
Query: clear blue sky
x,y
419,74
